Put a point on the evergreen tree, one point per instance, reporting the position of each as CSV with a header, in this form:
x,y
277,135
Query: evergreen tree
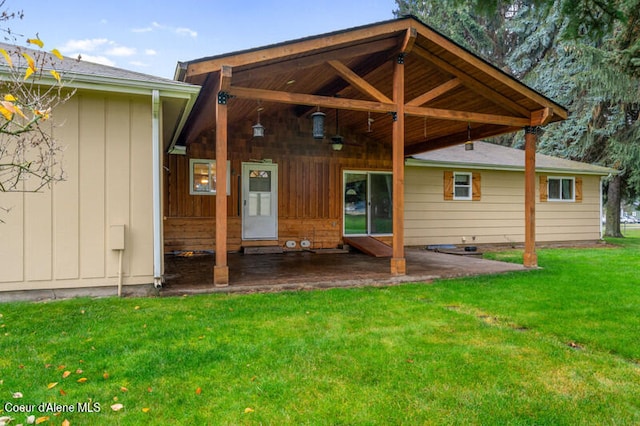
x,y
582,54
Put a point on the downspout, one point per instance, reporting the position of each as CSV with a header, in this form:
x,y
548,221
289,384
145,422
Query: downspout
x,y
157,196
601,209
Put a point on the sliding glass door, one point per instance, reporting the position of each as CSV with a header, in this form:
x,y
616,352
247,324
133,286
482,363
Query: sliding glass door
x,y
367,203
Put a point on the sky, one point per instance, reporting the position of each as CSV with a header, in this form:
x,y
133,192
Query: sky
x,y
151,36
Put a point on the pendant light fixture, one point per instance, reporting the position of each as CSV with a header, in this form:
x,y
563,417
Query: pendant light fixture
x,y
318,124
337,142
258,129
468,145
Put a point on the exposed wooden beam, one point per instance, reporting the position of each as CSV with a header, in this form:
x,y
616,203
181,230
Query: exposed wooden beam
x,y
398,261
471,117
457,138
435,92
302,47
486,68
358,82
473,84
409,40
310,100
530,258
256,71
221,269
541,117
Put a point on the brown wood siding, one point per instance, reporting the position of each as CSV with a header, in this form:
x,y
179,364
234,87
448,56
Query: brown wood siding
x,y
309,184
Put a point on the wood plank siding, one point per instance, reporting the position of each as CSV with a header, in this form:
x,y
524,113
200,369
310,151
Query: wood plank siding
x,y
498,216
309,184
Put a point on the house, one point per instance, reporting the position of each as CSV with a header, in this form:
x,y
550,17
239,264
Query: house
x,y
456,196
383,92
115,128
297,144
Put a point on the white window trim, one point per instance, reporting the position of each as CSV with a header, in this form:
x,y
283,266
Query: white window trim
x,y
192,162
562,200
470,186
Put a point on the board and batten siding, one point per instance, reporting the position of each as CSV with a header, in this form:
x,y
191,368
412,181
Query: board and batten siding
x,y
59,238
498,217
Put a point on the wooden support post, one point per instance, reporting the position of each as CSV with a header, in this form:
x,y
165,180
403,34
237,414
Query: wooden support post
x,y
530,259
398,261
221,269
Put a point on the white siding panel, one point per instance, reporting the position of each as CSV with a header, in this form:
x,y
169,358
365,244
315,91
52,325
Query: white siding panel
x,y
66,197
141,190
12,238
92,186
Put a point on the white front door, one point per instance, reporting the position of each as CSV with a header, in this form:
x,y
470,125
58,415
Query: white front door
x,y
259,201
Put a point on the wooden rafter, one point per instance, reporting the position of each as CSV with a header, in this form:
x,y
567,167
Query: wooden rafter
x,y
358,82
472,117
254,71
409,40
310,100
541,117
473,84
435,92
305,46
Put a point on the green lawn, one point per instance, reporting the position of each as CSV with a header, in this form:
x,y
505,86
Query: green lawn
x,y
560,345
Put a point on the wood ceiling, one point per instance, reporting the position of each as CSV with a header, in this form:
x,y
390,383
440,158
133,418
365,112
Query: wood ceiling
x,y
449,92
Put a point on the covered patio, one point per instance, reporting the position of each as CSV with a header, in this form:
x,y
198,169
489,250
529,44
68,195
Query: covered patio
x,y
189,273
393,89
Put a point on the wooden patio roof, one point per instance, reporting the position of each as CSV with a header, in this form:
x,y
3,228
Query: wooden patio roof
x,y
447,89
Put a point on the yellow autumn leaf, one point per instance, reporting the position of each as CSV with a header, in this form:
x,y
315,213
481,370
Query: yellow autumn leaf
x,y
82,380
9,97
7,58
57,54
12,108
66,374
79,371
36,41
55,75
66,422
28,73
145,409
42,419
52,385
249,410
198,391
123,389
117,407
30,61
6,113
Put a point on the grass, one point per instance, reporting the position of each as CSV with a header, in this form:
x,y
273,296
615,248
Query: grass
x,y
555,346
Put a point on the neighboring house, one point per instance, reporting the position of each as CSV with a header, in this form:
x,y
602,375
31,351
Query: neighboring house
x,y
115,129
456,196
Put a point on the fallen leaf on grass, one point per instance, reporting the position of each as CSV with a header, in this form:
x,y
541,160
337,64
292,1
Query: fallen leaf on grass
x,y
249,410
52,385
62,392
123,389
42,419
66,423
136,308
62,367
66,374
149,389
81,380
117,407
79,371
198,391
105,375
145,409
31,419
17,395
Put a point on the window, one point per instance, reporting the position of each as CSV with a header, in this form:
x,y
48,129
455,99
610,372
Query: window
x,y
368,203
461,186
202,177
560,189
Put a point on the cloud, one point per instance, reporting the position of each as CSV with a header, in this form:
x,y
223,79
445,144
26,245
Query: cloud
x,y
98,59
186,31
121,51
181,31
150,52
87,45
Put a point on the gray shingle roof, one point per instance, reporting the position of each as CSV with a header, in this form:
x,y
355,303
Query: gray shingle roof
x,y
491,156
